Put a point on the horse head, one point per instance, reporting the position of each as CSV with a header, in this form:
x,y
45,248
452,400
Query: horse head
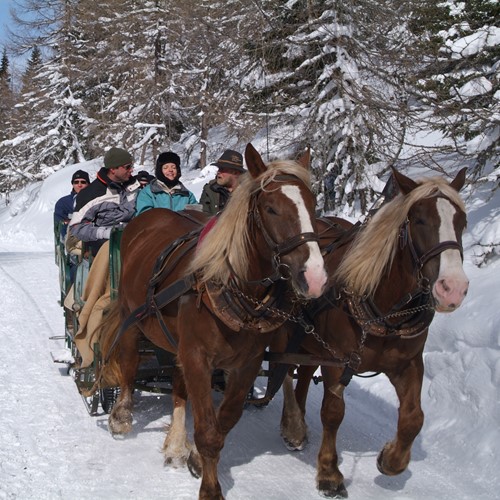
x,y
267,231
283,211
433,231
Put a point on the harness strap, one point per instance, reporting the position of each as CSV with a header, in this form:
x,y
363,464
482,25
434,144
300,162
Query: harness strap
x,y
295,241
279,372
343,239
158,301
441,247
292,358
168,295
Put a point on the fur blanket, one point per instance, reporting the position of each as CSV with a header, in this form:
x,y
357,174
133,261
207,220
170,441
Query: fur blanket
x,y
96,297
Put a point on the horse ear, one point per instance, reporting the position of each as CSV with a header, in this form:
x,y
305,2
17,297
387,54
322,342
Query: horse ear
x,y
305,158
405,183
254,161
458,182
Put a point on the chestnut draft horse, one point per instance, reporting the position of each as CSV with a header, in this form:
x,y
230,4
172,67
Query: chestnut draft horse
x,y
390,275
216,306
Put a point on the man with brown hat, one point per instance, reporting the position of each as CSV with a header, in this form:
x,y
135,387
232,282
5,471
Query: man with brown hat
x,y
107,202
216,193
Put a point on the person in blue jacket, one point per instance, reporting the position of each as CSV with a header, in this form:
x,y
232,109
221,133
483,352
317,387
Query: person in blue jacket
x,y
166,191
64,207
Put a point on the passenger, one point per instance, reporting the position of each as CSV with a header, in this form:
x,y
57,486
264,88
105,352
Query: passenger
x,y
166,191
109,201
216,193
63,210
144,178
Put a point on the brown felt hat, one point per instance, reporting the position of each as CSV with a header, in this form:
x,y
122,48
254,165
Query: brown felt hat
x,y
231,159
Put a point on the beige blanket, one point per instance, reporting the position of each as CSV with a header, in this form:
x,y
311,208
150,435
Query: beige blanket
x,y
96,295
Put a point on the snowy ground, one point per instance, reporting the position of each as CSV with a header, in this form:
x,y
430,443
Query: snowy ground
x,y
50,448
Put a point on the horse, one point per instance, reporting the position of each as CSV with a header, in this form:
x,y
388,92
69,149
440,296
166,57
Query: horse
x,y
215,305
389,274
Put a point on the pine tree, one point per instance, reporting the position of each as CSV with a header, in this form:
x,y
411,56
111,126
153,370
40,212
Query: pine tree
x,y
317,83
51,124
6,95
460,82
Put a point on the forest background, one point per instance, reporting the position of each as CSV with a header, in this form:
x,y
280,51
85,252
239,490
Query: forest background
x,y
357,81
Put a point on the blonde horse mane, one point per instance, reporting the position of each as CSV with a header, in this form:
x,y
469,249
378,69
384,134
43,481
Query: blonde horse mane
x,y
373,250
229,240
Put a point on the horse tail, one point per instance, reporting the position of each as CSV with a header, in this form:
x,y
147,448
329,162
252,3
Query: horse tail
x,y
109,371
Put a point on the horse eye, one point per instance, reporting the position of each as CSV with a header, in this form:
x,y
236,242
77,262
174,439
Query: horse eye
x,y
270,210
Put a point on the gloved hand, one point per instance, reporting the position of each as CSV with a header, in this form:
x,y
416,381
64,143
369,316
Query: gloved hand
x,y
103,233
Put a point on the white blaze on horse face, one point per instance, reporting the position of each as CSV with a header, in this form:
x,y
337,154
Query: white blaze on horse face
x,y
314,268
452,283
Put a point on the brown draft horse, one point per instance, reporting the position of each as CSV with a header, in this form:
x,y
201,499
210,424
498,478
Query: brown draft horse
x,y
247,274
390,276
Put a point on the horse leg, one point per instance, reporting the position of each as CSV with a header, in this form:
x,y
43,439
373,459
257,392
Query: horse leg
x,y
203,461
396,454
329,479
238,382
197,368
293,425
228,415
128,357
177,447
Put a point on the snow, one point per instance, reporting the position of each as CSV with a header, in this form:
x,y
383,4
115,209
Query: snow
x,y
50,448
472,44
473,88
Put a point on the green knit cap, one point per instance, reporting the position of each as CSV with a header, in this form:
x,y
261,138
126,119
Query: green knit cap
x,y
117,157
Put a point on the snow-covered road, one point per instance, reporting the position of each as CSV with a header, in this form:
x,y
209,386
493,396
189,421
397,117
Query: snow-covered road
x,y
50,448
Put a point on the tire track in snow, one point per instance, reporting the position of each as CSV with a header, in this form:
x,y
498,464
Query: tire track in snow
x,y
23,277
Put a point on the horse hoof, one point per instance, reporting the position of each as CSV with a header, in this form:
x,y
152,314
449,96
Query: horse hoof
x,y
194,465
384,469
175,462
294,445
329,490
119,428
120,421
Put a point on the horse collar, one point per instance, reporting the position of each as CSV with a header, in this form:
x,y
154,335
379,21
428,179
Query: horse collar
x,y
241,312
414,319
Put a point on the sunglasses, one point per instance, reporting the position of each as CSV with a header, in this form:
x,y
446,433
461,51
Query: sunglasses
x,y
80,182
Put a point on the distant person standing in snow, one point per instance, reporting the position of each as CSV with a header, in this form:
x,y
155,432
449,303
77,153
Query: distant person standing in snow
x,y
166,191
107,202
216,193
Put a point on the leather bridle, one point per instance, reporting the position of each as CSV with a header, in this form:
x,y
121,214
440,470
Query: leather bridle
x,y
420,259
280,270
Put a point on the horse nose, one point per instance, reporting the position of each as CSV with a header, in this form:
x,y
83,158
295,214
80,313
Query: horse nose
x,y
313,281
450,293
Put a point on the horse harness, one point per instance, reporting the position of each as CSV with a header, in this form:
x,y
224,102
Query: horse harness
x,y
228,302
409,318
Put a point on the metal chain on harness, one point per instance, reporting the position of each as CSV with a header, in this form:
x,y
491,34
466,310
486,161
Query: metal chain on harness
x,y
298,319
